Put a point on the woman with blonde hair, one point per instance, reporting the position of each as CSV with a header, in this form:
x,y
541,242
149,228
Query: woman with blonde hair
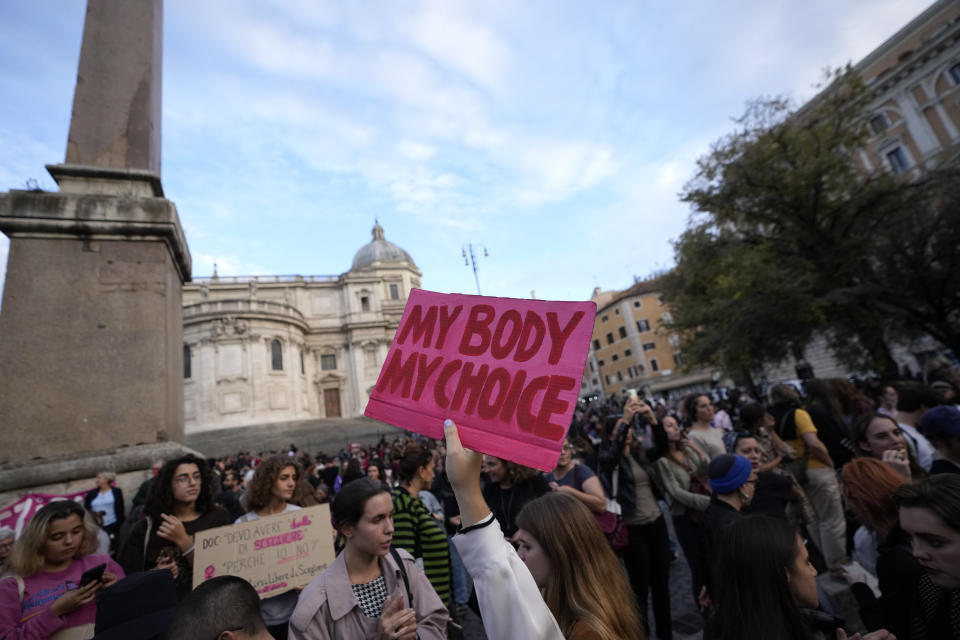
x,y
44,594
106,501
577,572
275,488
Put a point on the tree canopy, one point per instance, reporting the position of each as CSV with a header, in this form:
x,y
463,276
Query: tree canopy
x,y
792,237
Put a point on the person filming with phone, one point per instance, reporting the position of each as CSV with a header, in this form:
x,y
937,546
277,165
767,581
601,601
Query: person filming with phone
x,y
55,576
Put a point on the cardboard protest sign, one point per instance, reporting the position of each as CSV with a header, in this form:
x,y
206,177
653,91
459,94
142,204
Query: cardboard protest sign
x,y
507,371
274,554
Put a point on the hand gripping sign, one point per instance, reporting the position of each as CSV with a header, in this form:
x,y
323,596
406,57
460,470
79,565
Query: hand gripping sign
x,y
506,371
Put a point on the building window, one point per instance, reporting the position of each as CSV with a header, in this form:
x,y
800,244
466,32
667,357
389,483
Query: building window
x,y
619,376
666,317
591,365
622,331
654,365
649,346
609,338
955,73
603,318
641,368
898,160
616,312
394,292
627,353
303,365
596,382
615,357
187,368
608,379
276,356
643,325
369,358
364,303
678,358
878,123
328,362
636,304
632,372
600,362
596,345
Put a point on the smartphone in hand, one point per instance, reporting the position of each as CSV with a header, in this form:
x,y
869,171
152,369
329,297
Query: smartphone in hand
x,y
93,575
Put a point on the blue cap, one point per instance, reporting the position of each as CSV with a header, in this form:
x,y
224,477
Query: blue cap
x,y
941,422
728,473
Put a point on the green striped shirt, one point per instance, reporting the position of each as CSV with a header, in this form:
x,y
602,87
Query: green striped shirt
x,y
416,531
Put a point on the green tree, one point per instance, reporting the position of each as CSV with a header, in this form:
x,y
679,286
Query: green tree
x,y
791,237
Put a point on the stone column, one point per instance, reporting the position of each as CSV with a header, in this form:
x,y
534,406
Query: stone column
x,y
91,328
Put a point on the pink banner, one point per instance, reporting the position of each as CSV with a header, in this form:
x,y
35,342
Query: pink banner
x,y
18,514
506,371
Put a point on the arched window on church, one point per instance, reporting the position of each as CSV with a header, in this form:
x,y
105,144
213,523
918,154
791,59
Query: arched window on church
x,y
187,370
276,355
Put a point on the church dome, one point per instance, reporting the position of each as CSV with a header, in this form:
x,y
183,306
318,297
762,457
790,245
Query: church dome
x,y
379,250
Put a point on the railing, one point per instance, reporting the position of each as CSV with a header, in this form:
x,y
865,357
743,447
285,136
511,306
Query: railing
x,y
241,306
263,279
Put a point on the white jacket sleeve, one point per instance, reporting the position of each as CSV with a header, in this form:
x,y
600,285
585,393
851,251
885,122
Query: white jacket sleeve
x,y
510,601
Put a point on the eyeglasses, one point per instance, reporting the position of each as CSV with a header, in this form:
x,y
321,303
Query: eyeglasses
x,y
185,479
6,545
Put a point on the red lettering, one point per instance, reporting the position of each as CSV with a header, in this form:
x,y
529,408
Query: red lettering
x,y
424,371
501,350
446,321
559,336
489,408
471,383
513,397
479,326
440,390
525,418
532,325
553,404
422,326
397,372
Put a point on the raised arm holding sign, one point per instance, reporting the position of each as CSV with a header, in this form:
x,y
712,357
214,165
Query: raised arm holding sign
x,y
507,371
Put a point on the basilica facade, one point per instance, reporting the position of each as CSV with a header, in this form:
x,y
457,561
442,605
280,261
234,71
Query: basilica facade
x,y
262,349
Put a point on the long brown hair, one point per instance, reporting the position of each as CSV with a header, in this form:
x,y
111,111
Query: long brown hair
x,y
260,489
868,487
586,583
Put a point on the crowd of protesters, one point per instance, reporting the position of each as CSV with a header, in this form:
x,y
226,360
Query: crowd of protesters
x,y
861,481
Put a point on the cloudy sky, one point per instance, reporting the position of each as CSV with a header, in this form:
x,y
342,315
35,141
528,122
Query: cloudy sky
x,y
556,133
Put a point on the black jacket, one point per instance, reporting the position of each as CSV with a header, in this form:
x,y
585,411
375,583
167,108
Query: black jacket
x,y
118,508
611,457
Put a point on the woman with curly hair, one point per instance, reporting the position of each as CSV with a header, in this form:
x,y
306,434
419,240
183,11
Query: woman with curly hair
x,y
577,572
275,488
179,505
509,487
43,596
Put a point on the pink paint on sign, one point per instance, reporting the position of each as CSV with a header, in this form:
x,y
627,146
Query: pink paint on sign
x,y
507,371
18,514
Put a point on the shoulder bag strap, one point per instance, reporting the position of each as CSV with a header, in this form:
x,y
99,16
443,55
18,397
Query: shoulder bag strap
x,y
403,574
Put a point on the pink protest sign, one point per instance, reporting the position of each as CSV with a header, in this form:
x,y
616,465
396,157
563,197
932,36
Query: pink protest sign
x,y
507,371
18,514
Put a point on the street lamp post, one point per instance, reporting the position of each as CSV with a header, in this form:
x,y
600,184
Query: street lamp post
x,y
470,259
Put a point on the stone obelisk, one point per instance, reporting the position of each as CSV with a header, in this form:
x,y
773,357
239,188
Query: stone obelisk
x,y
91,321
